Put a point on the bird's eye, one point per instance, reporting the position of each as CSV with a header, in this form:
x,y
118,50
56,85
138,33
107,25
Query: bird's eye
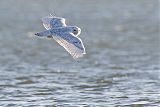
x,y
74,30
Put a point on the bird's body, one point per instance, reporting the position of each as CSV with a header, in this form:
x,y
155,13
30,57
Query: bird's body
x,y
65,35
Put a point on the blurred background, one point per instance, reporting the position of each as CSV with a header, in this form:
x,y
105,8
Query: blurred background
x,y
121,67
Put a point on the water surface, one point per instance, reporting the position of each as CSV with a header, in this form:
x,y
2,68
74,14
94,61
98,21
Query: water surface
x,y
121,67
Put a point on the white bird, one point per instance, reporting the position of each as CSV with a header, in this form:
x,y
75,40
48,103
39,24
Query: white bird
x,y
66,36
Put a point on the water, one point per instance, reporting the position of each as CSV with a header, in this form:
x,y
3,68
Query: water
x,y
121,67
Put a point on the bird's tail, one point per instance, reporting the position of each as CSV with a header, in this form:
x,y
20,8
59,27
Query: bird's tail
x,y
44,33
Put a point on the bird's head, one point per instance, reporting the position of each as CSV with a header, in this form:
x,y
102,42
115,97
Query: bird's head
x,y
75,30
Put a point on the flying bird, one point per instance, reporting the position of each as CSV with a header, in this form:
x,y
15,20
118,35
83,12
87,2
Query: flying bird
x,y
66,36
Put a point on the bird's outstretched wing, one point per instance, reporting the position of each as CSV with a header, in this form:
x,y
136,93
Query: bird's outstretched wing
x,y
50,22
75,51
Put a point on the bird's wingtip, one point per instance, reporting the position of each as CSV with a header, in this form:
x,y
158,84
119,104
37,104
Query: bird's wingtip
x,y
52,15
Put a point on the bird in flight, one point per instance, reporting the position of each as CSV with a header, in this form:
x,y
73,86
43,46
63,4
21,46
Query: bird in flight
x,y
66,36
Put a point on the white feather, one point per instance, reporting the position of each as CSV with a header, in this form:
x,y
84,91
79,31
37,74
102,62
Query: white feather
x,y
73,50
50,22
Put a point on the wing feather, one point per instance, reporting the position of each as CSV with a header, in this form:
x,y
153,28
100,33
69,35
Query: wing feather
x,y
73,50
50,22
